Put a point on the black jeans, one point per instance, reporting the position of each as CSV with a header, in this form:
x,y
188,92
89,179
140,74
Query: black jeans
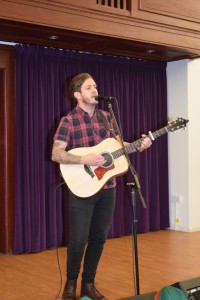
x,y
90,220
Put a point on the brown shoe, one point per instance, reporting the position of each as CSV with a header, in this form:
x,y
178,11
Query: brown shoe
x,y
69,292
89,290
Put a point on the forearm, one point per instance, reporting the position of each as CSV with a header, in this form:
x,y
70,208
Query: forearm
x,y
61,156
64,157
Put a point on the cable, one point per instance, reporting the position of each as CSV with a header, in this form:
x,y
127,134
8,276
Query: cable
x,y
57,254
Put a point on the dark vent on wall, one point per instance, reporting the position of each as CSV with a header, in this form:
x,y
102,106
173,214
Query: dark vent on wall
x,y
118,4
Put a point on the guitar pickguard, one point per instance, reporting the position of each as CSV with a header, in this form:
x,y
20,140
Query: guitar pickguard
x,y
100,171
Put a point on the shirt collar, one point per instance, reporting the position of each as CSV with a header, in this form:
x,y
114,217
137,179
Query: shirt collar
x,y
83,112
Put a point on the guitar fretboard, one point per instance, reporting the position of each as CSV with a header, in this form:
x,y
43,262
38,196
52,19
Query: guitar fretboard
x,y
136,144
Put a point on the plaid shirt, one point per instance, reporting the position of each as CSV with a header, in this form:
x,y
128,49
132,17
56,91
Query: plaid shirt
x,y
78,129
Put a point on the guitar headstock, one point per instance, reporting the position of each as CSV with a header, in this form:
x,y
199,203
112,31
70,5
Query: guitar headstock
x,y
177,124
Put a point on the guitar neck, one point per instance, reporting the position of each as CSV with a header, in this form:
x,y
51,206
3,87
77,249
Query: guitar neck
x,y
152,135
136,144
179,123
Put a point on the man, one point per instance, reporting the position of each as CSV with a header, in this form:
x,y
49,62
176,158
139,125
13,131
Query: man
x,y
89,217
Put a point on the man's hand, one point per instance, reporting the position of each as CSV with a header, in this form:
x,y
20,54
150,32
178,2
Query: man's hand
x,y
92,159
145,143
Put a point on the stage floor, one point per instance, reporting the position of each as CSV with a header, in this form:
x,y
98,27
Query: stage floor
x,y
165,257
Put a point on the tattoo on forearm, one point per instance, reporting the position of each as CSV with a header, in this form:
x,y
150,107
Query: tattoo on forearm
x,y
63,157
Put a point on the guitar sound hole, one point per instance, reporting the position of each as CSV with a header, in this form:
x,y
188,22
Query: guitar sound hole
x,y
109,159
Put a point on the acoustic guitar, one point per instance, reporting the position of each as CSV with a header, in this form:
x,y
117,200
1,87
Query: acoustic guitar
x,y
85,181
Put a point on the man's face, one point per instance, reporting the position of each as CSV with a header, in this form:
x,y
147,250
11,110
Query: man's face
x,y
88,92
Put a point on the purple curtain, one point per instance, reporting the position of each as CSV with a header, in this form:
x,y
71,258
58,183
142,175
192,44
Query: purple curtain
x,y
41,203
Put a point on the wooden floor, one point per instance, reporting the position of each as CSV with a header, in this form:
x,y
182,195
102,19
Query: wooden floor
x,y
165,257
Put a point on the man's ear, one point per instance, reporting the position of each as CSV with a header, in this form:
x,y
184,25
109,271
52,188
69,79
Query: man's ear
x,y
77,95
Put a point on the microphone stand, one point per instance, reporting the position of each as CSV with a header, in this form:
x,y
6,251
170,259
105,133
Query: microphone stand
x,y
135,185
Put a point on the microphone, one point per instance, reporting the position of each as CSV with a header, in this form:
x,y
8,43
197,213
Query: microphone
x,y
104,98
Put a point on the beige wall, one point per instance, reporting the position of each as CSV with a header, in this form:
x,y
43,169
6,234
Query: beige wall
x,y
184,147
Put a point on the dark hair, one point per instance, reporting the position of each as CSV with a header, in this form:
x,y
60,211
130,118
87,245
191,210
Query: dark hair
x,y
76,83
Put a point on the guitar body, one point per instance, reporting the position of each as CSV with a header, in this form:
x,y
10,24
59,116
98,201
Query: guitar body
x,y
85,181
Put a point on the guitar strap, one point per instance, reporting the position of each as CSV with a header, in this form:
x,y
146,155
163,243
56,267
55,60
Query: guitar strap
x,y
105,121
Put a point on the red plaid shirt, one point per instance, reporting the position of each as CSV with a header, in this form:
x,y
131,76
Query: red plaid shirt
x,y
78,129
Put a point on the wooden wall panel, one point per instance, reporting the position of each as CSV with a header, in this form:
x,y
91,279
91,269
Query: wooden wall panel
x,y
7,147
149,21
181,9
